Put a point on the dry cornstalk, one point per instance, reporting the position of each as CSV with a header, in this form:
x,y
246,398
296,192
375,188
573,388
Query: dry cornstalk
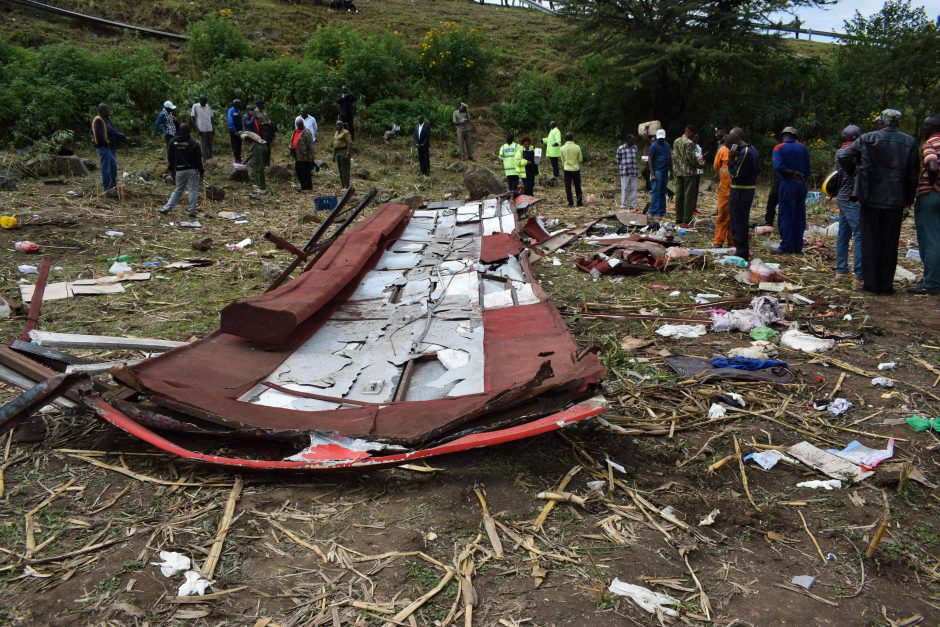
x,y
566,497
822,555
417,603
208,567
721,462
546,510
747,490
876,539
490,525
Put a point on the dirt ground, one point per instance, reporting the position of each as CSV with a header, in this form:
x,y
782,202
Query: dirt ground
x,y
85,512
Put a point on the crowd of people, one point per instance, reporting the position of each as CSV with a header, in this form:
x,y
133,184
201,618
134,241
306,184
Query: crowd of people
x,y
877,175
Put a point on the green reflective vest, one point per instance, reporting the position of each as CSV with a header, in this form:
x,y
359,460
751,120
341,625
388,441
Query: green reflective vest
x,y
508,154
553,143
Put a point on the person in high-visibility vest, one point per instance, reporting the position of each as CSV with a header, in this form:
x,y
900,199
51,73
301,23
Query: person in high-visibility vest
x,y
526,167
507,152
553,146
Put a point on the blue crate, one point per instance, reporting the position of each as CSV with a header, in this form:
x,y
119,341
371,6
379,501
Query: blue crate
x,y
324,203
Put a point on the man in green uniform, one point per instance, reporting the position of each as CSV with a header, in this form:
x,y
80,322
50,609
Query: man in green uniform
x,y
553,146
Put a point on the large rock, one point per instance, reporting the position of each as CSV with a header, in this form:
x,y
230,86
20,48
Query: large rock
x,y
70,166
7,183
481,182
414,201
237,174
214,192
277,172
39,166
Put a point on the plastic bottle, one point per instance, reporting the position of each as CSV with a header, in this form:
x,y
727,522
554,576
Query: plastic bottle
x,y
122,258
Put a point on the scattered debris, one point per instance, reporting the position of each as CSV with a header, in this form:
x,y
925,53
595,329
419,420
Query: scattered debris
x,y
830,484
827,463
173,563
682,331
652,602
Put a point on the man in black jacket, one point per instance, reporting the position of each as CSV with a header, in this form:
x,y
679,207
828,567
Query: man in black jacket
x,y
422,137
887,165
743,165
186,163
347,109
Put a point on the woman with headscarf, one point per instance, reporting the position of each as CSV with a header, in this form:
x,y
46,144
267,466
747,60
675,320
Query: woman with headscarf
x,y
301,147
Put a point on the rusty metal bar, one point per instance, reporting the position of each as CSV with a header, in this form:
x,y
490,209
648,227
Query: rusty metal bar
x,y
282,244
321,248
35,303
36,398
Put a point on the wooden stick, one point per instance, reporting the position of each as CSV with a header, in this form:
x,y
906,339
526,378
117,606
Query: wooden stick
x,y
838,386
721,462
703,598
490,525
208,567
567,497
822,556
747,490
147,478
546,510
293,536
876,539
205,597
417,603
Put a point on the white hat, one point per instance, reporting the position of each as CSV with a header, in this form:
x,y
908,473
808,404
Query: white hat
x,y
661,134
169,105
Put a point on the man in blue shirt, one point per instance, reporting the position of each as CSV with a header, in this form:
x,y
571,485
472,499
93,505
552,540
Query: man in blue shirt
x,y
235,126
660,161
743,167
106,140
791,163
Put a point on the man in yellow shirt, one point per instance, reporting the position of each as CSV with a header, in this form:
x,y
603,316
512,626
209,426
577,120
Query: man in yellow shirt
x,y
553,146
507,152
571,158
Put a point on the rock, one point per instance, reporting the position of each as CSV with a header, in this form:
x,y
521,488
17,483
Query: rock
x,y
384,195
202,245
70,166
119,192
322,164
277,172
40,166
414,201
144,175
270,271
211,165
481,182
234,174
361,173
89,164
311,217
169,180
213,192
7,183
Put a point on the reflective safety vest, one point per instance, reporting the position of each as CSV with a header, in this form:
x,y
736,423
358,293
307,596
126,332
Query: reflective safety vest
x,y
553,143
508,154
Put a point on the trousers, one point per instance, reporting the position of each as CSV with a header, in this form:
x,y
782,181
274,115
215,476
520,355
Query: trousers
x,y
424,159
573,178
512,180
686,197
188,181
463,142
304,170
658,195
206,143
927,220
740,214
554,161
342,166
236,146
108,159
723,217
628,185
881,229
791,214
259,153
849,231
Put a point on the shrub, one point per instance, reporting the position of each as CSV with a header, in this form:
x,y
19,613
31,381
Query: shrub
x,y
330,44
214,40
528,107
380,116
454,59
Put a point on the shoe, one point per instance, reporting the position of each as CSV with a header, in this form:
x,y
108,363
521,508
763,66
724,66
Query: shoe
x,y
920,290
842,275
164,210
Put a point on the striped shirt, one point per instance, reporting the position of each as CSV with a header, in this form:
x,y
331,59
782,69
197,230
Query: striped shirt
x,y
626,159
931,151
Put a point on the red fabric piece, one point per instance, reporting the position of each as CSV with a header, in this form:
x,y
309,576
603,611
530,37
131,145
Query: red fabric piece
x,y
499,246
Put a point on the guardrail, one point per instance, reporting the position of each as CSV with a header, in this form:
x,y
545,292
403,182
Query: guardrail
x,y
93,19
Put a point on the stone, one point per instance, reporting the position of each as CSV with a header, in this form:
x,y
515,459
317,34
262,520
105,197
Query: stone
x,y
234,174
311,217
144,175
277,172
322,164
361,173
70,166
7,183
270,271
39,166
210,165
202,245
414,201
481,182
89,164
214,192
169,180
384,195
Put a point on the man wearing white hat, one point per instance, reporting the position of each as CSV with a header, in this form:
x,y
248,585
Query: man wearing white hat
x,y
166,124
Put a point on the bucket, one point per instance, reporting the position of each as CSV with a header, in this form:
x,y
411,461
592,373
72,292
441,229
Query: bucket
x,y
324,203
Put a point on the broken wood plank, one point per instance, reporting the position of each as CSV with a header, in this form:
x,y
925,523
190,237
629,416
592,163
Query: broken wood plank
x,y
104,342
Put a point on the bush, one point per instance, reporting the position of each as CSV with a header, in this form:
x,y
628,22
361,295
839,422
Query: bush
x,y
330,44
528,107
214,40
380,116
454,59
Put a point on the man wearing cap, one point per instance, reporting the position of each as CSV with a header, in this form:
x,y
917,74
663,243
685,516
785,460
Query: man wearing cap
x,y
461,119
268,129
743,167
886,165
684,165
791,163
660,163
166,125
186,165
200,118
235,126
927,210
848,213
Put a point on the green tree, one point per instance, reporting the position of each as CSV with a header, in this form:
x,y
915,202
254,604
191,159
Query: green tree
x,y
214,40
891,59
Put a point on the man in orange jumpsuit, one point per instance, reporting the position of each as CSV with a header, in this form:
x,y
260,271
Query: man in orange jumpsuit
x,y
723,218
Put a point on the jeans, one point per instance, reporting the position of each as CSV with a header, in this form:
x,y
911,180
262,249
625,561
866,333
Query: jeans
x,y
927,220
573,177
188,181
108,158
628,191
658,195
849,230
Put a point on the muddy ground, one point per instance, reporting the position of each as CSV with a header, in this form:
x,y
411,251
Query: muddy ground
x,y
357,548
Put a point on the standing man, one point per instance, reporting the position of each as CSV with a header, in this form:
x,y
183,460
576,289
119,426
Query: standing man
x,y
422,137
309,122
886,165
927,210
848,213
347,109
166,125
342,145
685,164
200,118
250,122
461,118
571,159
626,160
507,152
553,146
106,139
186,166
791,164
723,235
660,164
301,147
256,156
526,167
268,129
743,167
235,126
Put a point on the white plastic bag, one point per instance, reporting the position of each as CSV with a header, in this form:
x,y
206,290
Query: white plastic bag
x,y
644,597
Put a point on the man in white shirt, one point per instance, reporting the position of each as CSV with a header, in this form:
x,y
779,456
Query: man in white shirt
x,y
201,119
309,122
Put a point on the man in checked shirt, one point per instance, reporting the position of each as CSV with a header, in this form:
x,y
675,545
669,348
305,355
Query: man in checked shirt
x,y
626,159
